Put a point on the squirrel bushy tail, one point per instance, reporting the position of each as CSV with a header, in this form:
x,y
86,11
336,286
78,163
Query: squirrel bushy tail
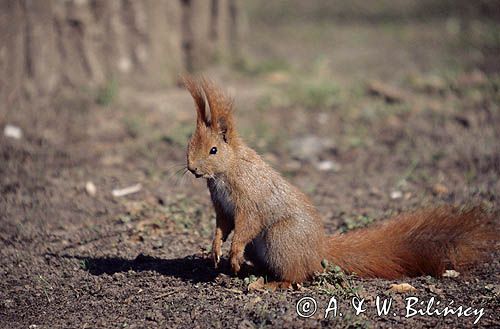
x,y
424,242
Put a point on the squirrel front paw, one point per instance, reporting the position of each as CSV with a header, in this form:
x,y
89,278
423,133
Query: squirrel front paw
x,y
216,251
236,259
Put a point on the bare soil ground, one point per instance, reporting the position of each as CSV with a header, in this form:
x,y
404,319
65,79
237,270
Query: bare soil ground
x,y
406,115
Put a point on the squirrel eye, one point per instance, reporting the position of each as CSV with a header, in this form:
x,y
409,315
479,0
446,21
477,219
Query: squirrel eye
x,y
213,150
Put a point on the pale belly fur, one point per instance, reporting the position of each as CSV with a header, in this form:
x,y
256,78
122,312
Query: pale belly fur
x,y
223,197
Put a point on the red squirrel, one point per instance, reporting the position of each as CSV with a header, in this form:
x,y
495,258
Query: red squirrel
x,y
277,228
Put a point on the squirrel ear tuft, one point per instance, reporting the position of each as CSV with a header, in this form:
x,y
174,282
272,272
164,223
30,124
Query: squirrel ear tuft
x,y
221,107
222,125
196,91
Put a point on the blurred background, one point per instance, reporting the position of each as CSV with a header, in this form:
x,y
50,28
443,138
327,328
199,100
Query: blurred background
x,y
51,45
370,107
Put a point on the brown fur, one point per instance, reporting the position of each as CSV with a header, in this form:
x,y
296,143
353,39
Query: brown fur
x,y
419,243
276,226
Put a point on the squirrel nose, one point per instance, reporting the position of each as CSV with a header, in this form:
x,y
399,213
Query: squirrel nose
x,y
194,171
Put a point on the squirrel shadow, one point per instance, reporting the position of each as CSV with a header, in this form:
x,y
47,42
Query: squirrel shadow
x,y
191,268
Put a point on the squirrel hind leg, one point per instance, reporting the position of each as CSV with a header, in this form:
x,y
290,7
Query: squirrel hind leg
x,y
278,285
291,255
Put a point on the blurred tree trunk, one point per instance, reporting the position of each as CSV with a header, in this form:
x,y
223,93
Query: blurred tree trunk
x,y
46,45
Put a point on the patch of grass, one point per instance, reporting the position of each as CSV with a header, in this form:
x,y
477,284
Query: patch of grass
x,y
333,281
351,223
107,93
179,134
273,99
314,94
267,137
45,286
79,103
357,321
396,29
254,68
134,126
310,188
84,264
470,176
188,215
481,33
355,141
249,279
437,156
263,315
409,173
263,135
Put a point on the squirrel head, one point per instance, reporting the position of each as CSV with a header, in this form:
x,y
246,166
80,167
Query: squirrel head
x,y
212,147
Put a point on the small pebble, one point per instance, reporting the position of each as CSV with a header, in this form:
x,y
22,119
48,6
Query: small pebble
x,y
451,274
328,165
12,132
126,190
396,195
440,189
90,188
402,288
